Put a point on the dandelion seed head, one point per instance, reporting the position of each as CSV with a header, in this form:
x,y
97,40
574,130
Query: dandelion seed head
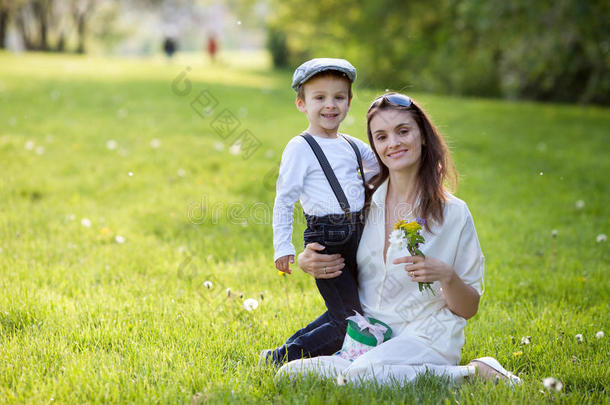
x,y
580,204
238,22
119,239
181,173
341,380
601,238
579,338
250,304
219,146
130,174
542,173
228,291
155,143
553,384
40,150
29,145
86,222
208,284
600,334
526,340
235,149
554,233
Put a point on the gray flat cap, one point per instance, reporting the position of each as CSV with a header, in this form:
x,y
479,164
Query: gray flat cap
x,y
315,66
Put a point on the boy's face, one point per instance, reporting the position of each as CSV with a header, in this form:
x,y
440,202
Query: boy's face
x,y
326,103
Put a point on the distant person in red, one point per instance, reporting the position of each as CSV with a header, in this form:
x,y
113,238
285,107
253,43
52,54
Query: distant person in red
x,y
212,47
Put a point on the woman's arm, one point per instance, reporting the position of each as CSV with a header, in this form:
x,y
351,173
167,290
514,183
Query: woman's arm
x,y
462,299
320,265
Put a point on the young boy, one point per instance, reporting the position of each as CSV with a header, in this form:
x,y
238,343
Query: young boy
x,y
332,197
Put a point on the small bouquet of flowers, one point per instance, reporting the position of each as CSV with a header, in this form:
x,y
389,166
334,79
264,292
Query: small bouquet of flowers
x,y
407,234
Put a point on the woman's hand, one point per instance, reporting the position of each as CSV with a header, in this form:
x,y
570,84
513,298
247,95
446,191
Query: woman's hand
x,y
427,270
462,299
320,265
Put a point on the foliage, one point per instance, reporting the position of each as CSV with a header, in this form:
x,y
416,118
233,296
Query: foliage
x,y
86,319
543,50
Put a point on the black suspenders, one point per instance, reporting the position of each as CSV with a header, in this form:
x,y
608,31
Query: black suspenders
x,y
330,175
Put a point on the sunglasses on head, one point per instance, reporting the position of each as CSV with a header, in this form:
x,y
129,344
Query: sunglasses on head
x,y
399,100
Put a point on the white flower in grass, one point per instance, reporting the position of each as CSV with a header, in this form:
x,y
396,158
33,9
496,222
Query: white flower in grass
x,y
155,143
86,222
578,338
599,334
601,238
526,340
119,239
130,174
219,146
228,291
181,172
40,150
111,144
250,304
397,238
554,233
551,383
580,204
29,145
341,380
208,284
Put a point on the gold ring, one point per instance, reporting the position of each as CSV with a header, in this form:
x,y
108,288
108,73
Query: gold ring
x,y
411,273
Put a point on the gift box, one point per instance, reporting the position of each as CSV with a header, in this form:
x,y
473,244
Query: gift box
x,y
362,335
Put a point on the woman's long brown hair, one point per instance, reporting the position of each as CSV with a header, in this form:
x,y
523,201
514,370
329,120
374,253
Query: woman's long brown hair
x,y
436,167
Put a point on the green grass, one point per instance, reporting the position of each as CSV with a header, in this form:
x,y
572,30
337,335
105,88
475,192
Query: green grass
x,y
84,319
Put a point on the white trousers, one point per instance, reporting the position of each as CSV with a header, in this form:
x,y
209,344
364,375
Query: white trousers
x,y
399,360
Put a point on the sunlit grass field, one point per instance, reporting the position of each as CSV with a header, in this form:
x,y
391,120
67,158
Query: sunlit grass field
x,y
123,189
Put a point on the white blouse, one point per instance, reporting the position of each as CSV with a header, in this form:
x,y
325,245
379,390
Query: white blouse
x,y
387,292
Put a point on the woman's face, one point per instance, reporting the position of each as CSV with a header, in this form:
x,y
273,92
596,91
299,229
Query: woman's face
x,y
397,139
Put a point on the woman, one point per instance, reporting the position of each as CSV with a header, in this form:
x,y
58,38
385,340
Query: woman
x,y
428,327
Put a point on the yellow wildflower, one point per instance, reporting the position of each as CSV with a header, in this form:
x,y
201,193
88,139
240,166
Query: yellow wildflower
x,y
105,231
411,226
281,273
517,354
399,224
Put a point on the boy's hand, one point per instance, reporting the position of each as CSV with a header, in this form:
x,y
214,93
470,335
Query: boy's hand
x,y
284,262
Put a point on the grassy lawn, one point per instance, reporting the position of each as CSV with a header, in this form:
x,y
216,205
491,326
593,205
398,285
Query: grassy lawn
x,y
120,195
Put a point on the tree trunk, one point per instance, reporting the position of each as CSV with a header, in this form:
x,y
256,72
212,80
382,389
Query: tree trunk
x,y
81,26
3,26
40,13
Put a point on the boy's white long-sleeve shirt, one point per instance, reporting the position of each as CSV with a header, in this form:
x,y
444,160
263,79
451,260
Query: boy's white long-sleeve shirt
x,y
301,178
